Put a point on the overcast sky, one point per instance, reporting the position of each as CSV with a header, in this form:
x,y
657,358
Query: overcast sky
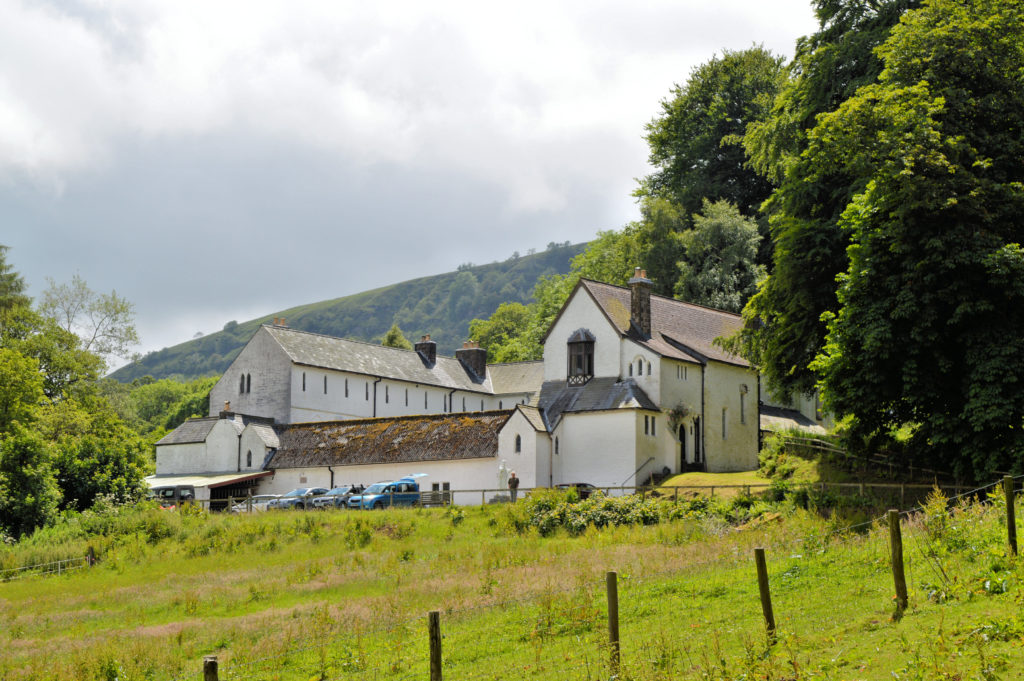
x,y
227,159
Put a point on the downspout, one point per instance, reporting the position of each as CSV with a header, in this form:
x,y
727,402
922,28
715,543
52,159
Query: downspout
x,y
239,470
375,382
332,476
451,405
703,419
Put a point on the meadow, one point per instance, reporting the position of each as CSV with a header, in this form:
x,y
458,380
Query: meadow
x,y
521,591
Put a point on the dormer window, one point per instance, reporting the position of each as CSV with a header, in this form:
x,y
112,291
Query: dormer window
x,y
581,357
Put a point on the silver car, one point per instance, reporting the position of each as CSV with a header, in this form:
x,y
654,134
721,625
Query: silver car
x,y
256,504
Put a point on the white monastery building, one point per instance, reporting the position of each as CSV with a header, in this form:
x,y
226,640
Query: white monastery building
x,y
632,386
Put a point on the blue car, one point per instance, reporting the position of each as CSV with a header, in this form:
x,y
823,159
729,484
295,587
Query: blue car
x,y
402,492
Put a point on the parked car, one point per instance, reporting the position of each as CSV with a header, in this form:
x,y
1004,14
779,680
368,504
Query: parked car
x,y
402,492
256,504
583,489
172,496
337,497
297,498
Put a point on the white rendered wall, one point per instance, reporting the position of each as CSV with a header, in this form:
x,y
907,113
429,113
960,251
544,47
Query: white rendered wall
x,y
737,451
251,442
598,447
581,312
634,357
532,464
219,454
263,360
680,386
181,459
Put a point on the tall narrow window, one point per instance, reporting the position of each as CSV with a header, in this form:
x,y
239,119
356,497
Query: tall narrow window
x,y
424,399
654,425
499,404
241,384
556,445
519,444
444,403
743,408
248,459
639,367
481,405
630,368
581,357
367,391
725,434
647,424
248,383
407,397
387,395
648,368
463,404
303,381
346,387
325,385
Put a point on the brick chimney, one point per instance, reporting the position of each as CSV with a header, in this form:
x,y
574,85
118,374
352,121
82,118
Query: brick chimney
x,y
640,302
473,358
427,349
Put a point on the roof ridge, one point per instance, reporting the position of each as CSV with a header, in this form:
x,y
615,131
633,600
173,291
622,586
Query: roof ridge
x,y
350,340
407,417
666,298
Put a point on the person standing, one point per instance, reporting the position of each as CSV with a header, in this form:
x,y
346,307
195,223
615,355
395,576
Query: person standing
x,y
513,486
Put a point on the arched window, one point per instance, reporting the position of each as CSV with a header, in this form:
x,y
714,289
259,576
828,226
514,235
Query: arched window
x,y
241,384
581,357
519,444
248,459
639,367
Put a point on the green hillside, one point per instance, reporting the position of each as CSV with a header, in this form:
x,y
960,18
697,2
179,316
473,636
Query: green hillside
x,y
441,305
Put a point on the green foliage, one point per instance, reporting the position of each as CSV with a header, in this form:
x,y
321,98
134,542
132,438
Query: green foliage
x,y
441,306
12,285
28,491
90,467
21,389
930,329
394,338
719,265
783,330
696,142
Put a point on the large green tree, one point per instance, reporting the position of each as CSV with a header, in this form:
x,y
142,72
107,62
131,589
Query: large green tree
x,y
719,267
28,491
929,334
784,330
696,141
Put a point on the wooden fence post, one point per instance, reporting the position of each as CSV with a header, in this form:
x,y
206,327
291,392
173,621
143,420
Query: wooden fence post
x,y
766,595
210,668
896,551
613,621
434,628
90,556
1011,515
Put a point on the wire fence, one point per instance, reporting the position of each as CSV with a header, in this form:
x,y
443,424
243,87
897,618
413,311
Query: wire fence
x,y
672,620
55,567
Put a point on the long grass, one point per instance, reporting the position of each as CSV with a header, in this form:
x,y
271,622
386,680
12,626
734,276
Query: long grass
x,y
345,595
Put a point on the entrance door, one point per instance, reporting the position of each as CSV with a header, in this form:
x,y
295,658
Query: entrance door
x,y
698,455
682,448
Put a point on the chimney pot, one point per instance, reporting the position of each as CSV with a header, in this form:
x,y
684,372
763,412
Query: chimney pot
x,y
227,405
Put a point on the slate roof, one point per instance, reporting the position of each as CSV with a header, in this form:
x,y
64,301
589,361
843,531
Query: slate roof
x,y
534,416
679,330
328,352
190,432
780,418
597,394
267,434
517,377
438,437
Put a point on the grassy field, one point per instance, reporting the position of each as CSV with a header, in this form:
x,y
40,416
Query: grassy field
x,y
521,591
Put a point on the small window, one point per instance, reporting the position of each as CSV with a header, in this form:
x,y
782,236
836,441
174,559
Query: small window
x,y
499,404
325,385
630,368
387,395
367,391
556,445
424,399
725,433
648,368
407,397
248,383
654,425
463,404
248,459
647,424
519,444
580,354
303,381
481,405
346,387
444,403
